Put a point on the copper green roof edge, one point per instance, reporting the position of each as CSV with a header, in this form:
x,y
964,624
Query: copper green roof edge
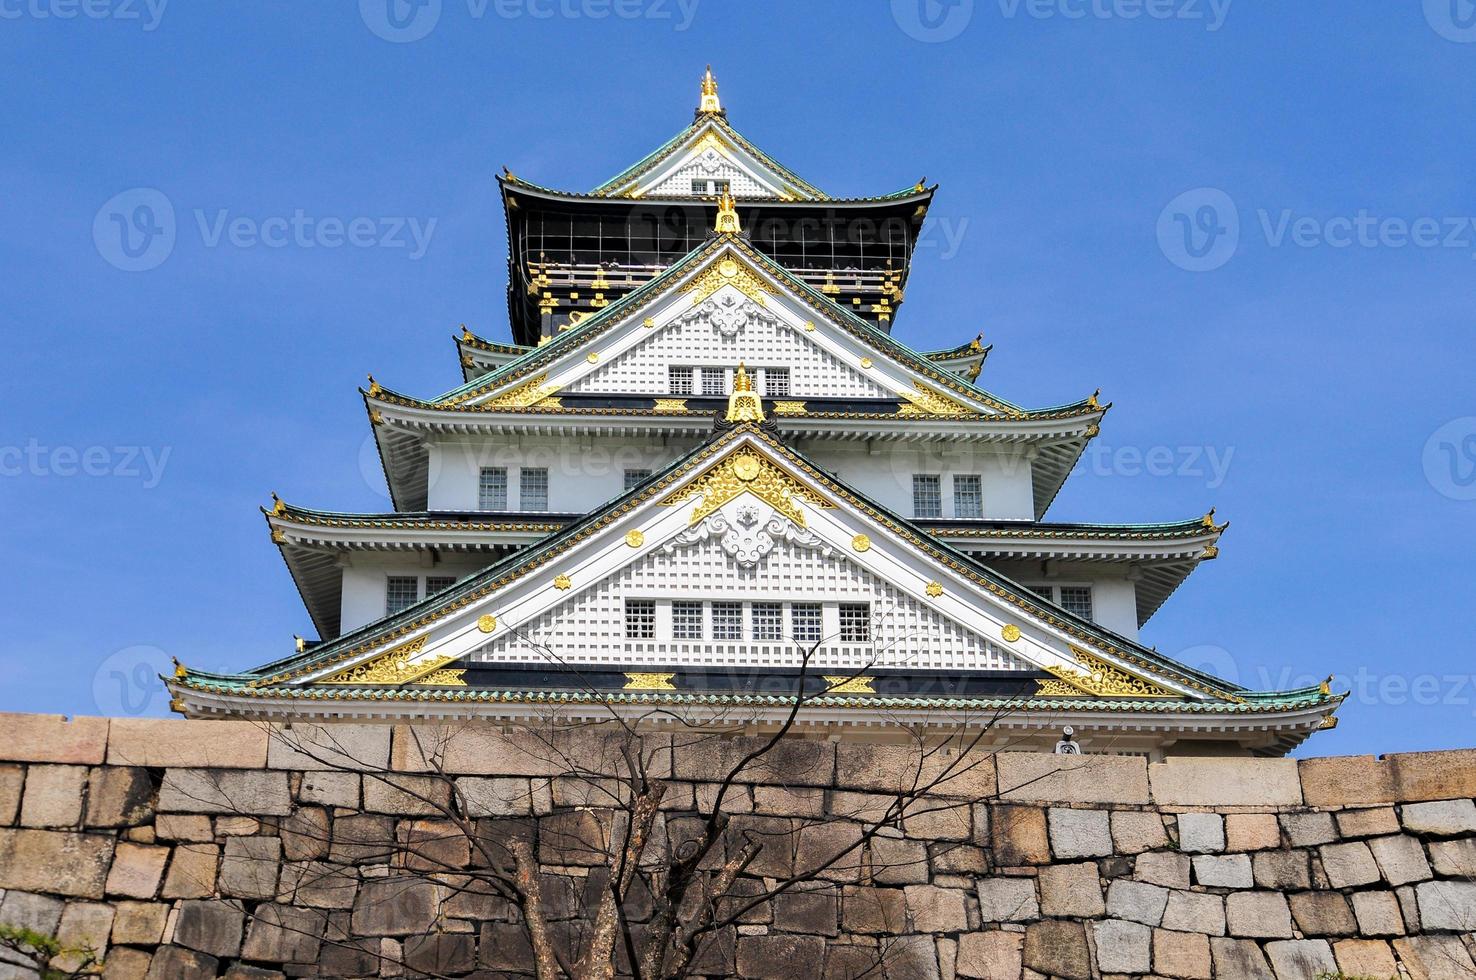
x,y
651,159
901,194
1033,602
959,353
490,346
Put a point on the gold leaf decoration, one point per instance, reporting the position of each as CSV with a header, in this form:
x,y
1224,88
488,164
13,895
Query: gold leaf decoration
x,y
850,685
444,678
671,404
789,408
1057,689
738,275
935,589
524,395
926,401
1010,633
562,583
745,471
398,666
486,623
649,682
1099,677
861,543
634,539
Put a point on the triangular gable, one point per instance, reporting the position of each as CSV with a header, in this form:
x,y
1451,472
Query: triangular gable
x,y
691,509
709,150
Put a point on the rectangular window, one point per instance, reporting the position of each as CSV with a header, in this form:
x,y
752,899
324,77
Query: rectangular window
x,y
855,622
533,488
400,592
686,620
1077,599
640,619
805,622
492,493
699,186
768,621
776,382
679,380
968,496
721,186
714,381
927,495
727,620
1044,591
634,478
438,583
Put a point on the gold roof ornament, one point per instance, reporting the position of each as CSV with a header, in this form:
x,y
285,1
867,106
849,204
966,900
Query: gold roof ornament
x,y
1092,401
710,102
744,405
466,334
727,217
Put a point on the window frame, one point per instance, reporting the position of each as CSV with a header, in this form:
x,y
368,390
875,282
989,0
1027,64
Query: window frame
x,y
688,619
642,614
919,482
524,474
977,493
483,489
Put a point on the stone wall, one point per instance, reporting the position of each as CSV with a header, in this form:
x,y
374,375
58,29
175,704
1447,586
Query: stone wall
x,y
200,849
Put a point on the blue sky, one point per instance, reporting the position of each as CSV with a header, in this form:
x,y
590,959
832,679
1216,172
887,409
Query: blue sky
x,y
1307,372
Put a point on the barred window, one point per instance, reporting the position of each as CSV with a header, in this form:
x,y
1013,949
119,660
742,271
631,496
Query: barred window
x,y
1077,599
721,186
492,493
776,382
640,619
927,495
805,622
714,381
855,622
686,620
400,592
634,478
679,380
727,620
768,621
1044,591
699,186
533,488
438,583
968,496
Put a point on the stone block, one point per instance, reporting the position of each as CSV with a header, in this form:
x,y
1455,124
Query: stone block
x,y
406,795
894,769
794,762
910,958
249,867
853,962
1308,829
504,948
1295,959
1201,833
1378,913
780,957
160,743
59,862
1344,780
1079,833
210,927
136,870
1137,901
284,934
1239,959
1181,954
1039,777
1349,865
1123,947
1007,900
1136,831
305,835
1446,906
441,954
488,750
362,838
39,913
1258,915
1433,775
832,850
989,956
1071,890
432,846
119,796
1251,832
898,862
1443,818
178,963
1018,836
225,791
1058,949
1282,870
1322,914
234,826
934,909
1195,912
1223,870
959,859
1454,858
52,738
396,907
931,819
1365,958
12,779
1435,958
318,885
869,910
576,837
127,964
336,789
192,870
814,911
1167,868
1187,781
53,796
190,827
139,923
1401,859
789,801
335,748
1368,822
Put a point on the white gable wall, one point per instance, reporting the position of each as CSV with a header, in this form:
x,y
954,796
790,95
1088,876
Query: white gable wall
x,y
885,474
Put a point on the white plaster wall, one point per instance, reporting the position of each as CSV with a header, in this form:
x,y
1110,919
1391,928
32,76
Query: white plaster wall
x,y
886,475
364,580
1114,597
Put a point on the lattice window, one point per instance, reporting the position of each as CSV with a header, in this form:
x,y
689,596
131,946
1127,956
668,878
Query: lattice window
x,y
927,495
805,622
727,620
709,169
855,622
640,619
776,382
968,495
492,488
686,620
1044,591
714,381
533,488
438,583
768,620
679,380
400,592
1077,599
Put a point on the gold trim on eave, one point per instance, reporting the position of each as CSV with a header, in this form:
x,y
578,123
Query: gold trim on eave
x,y
745,471
1103,679
649,682
850,685
397,666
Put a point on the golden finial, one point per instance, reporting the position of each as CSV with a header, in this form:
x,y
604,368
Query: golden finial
x,y
741,381
374,388
179,668
920,186
727,217
278,508
1326,686
1209,519
465,333
1092,401
743,404
710,101
299,643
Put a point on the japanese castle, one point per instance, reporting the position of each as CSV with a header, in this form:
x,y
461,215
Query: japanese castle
x,y
704,481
